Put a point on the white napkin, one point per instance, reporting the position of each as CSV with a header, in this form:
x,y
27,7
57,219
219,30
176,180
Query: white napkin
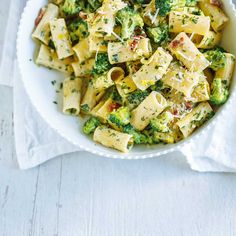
x,y
37,143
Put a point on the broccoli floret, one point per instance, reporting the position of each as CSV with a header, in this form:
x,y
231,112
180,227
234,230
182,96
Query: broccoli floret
x,y
85,108
159,85
159,34
90,125
191,3
161,122
120,117
138,137
220,92
165,6
71,7
94,4
137,97
142,1
129,19
116,96
216,57
78,30
102,64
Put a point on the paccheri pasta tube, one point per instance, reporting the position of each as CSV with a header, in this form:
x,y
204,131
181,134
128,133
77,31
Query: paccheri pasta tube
x,y
113,139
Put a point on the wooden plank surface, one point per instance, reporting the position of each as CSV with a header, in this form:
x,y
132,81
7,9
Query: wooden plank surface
x,y
85,195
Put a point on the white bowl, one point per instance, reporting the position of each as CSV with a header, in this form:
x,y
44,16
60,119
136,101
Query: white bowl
x,y
37,83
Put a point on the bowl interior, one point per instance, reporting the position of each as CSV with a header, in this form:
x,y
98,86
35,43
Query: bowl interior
x,y
37,82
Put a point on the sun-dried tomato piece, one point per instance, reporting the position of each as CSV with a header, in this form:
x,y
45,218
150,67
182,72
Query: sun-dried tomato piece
x,y
134,45
176,43
113,106
188,105
40,16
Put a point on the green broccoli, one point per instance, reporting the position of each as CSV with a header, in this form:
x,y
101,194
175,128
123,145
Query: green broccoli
x,y
165,6
142,1
102,64
159,85
90,125
219,93
119,117
85,108
113,93
129,19
137,97
94,5
116,96
216,57
71,7
161,122
159,34
138,137
191,3
78,30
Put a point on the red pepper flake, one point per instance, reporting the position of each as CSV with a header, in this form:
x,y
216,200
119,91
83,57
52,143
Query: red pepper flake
x,y
175,112
188,105
40,16
113,106
176,43
216,3
134,44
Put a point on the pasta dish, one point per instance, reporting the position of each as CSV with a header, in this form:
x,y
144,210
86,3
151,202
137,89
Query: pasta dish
x,y
137,71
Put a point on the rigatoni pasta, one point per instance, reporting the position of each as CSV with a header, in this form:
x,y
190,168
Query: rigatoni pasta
x,y
82,50
84,68
151,107
188,23
185,51
153,69
72,95
113,139
213,9
131,50
42,30
48,58
181,80
194,119
143,73
60,37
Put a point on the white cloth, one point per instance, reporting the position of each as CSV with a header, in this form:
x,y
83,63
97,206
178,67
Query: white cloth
x,y
36,142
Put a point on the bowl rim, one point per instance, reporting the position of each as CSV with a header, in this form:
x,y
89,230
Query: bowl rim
x,y
155,152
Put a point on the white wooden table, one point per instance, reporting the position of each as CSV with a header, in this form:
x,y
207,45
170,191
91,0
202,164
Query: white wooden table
x,y
83,195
